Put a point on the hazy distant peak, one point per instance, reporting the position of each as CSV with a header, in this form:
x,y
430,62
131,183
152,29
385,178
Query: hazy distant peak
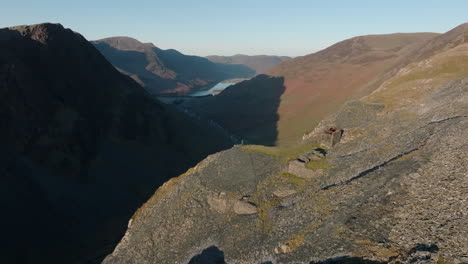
x,y
259,63
448,40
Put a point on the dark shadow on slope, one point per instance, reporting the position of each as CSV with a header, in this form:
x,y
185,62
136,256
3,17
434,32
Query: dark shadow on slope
x,y
193,67
248,110
82,147
211,255
424,248
135,63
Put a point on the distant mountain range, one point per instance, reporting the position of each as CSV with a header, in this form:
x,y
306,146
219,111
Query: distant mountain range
x,y
82,145
166,71
259,63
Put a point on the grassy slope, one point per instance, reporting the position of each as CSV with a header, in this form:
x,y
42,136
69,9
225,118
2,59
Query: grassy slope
x,y
439,61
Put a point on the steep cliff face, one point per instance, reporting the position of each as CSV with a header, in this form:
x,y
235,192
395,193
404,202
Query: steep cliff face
x,y
82,147
393,190
166,71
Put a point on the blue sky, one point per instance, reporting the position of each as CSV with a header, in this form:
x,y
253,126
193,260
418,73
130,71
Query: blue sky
x,y
205,27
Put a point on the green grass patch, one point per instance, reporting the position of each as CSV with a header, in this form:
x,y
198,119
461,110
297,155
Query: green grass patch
x,y
283,153
318,164
293,179
271,151
453,65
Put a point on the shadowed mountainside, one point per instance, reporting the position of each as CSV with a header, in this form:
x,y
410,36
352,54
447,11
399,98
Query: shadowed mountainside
x,y
247,109
166,71
392,190
82,146
258,63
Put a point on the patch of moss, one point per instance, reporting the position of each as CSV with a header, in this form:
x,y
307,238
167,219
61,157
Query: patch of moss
x,y
340,231
270,151
294,242
283,153
264,207
297,240
318,164
442,260
367,247
322,206
293,179
292,152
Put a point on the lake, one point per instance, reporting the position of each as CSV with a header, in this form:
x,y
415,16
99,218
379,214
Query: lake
x,y
218,87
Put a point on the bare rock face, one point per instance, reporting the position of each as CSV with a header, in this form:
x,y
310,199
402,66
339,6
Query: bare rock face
x,y
299,168
218,204
231,204
284,191
243,208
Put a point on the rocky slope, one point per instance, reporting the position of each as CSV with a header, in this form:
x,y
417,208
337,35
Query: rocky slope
x,y
166,71
393,190
82,147
258,63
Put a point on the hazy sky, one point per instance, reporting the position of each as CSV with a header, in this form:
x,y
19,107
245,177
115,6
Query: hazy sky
x,y
221,27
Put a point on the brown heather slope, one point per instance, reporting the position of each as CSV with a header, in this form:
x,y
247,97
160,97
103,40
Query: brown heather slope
x,y
82,146
258,63
317,84
166,71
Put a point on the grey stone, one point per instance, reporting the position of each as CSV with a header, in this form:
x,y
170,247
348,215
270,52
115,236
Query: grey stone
x,y
243,208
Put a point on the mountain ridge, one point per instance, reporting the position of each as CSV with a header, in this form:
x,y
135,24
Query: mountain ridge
x,y
166,71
